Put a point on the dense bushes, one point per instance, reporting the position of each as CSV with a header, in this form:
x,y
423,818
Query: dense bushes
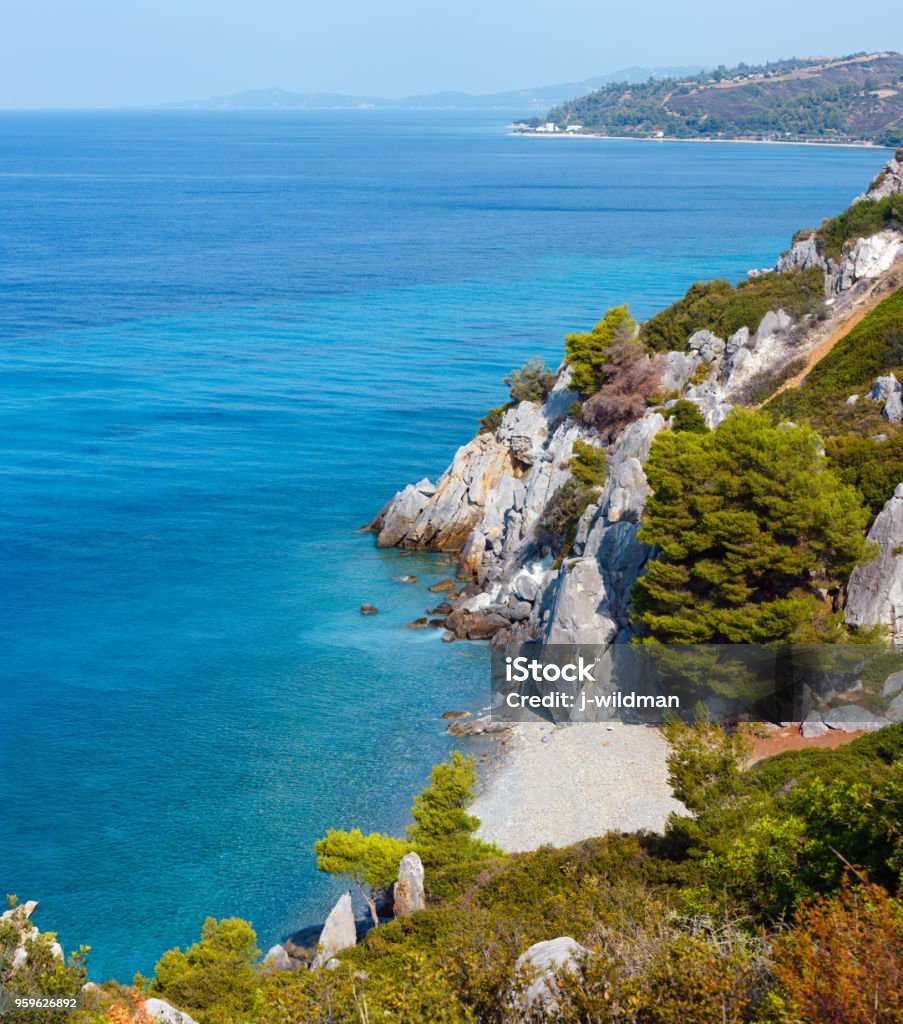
x,y
718,307
749,522
214,979
873,467
861,220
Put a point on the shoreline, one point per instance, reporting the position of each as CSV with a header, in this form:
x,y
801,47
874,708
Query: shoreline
x,y
672,138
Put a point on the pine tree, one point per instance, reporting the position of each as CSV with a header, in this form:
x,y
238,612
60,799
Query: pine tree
x,y
751,528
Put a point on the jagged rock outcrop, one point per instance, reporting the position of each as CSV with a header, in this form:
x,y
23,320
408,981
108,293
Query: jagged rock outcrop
x,y
586,602
409,893
888,182
865,260
888,391
339,931
875,590
20,917
489,504
493,492
537,971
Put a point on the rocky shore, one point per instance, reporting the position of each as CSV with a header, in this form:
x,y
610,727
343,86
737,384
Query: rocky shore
x,y
558,785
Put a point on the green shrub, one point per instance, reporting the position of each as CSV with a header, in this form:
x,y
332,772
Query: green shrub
x,y
559,519
214,980
443,831
685,415
533,382
718,307
873,467
587,354
861,220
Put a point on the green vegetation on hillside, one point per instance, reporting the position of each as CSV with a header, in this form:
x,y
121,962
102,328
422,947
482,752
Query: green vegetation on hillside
x,y
747,910
872,348
846,99
861,220
749,524
723,309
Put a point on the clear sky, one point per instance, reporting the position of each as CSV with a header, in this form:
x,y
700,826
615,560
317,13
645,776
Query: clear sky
x,y
137,52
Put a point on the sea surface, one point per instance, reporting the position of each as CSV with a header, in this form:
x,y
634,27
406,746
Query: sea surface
x,y
225,340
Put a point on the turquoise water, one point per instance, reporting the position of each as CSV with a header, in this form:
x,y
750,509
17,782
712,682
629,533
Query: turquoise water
x,y
226,340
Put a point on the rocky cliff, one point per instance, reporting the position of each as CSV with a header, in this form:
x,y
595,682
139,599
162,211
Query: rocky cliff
x,y
488,505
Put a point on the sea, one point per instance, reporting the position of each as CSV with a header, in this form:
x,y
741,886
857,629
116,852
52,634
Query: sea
x,y
226,339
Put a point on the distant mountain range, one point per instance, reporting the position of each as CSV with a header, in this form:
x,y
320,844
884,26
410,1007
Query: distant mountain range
x,y
522,101
858,98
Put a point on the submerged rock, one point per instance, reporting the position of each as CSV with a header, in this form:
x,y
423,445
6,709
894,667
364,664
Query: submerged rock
x,y
368,609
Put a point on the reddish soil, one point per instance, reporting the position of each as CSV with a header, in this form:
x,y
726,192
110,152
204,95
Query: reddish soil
x,y
790,739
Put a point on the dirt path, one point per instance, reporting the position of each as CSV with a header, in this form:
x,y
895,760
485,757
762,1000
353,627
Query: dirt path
x,y
859,311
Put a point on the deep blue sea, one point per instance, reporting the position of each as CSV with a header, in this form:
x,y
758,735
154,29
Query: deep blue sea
x,y
225,340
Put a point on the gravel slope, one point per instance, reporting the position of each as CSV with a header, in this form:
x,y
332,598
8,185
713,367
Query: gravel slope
x,y
558,785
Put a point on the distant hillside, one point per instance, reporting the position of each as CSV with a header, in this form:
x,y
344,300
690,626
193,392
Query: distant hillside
x,y
845,99
521,101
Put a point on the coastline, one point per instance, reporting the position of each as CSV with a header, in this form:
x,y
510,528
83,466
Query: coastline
x,y
672,138
556,785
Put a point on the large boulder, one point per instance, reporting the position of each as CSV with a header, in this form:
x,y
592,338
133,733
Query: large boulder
x,y
160,1010
339,931
277,959
851,718
875,590
537,971
409,894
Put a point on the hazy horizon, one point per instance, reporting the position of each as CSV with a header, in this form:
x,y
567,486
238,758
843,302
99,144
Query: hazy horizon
x,y
102,54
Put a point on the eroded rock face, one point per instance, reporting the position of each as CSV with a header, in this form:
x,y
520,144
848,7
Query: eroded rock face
x,y
866,259
538,968
888,182
875,591
803,255
408,893
588,599
339,931
494,490
888,391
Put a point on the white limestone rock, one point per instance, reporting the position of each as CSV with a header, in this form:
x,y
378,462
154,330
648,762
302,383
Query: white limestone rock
x,y
851,718
276,959
409,893
813,725
866,259
587,601
339,931
888,182
803,255
160,1010
538,968
875,590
